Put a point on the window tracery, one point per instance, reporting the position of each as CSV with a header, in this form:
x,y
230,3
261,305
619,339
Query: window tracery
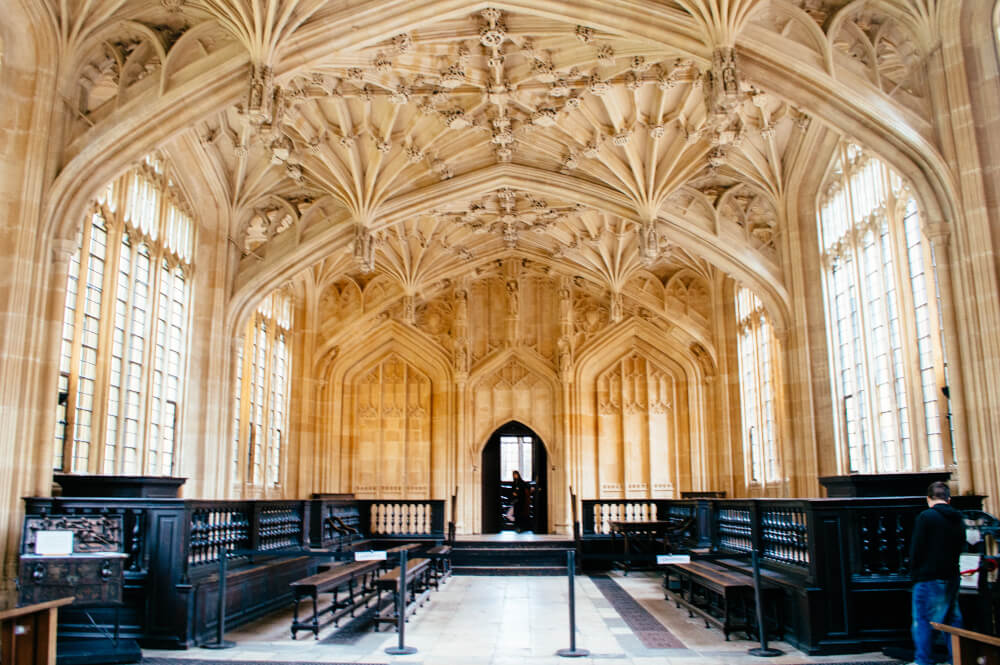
x,y
125,329
260,398
884,325
755,345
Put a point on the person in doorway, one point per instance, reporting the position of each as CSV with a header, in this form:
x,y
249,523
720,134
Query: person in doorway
x,y
521,502
938,540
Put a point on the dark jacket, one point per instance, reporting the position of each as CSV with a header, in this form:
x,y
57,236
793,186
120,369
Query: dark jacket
x,y
938,540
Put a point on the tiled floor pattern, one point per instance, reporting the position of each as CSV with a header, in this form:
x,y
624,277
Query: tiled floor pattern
x,y
511,621
642,624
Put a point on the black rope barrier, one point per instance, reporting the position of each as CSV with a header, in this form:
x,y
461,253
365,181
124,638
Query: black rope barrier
x,y
572,651
220,637
401,649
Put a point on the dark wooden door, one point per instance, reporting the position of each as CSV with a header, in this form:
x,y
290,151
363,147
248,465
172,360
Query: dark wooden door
x,y
496,489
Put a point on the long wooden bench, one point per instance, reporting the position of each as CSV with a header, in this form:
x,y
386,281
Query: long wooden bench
x,y
392,554
720,595
417,590
441,566
356,579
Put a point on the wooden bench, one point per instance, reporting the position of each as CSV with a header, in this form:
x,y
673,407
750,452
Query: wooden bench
x,y
345,577
720,595
441,566
415,594
390,559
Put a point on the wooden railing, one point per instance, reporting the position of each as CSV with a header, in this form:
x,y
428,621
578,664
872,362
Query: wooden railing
x,y
598,515
404,519
842,562
174,547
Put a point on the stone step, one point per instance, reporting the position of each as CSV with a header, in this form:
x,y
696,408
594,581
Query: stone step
x,y
513,544
490,556
534,571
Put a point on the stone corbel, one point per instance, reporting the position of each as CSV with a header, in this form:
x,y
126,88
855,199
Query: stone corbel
x,y
63,250
781,335
363,248
939,233
649,242
721,83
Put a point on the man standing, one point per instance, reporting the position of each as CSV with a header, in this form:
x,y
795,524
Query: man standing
x,y
938,540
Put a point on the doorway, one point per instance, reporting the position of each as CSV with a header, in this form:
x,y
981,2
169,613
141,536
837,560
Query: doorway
x,y
514,446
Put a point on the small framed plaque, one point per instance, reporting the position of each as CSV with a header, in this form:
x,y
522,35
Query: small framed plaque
x,y
56,542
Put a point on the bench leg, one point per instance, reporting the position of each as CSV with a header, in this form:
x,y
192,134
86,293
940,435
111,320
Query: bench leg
x,y
315,626
350,595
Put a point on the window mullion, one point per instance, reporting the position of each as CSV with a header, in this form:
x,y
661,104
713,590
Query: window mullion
x,y
938,346
126,352
69,443
246,407
266,448
98,427
908,323
862,383
867,380
758,391
149,356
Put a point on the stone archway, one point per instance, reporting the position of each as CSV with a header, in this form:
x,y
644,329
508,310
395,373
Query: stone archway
x,y
495,475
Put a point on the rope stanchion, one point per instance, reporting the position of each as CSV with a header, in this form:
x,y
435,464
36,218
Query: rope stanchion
x,y
763,651
401,649
220,641
572,651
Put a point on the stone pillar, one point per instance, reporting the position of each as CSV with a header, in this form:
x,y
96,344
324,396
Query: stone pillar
x,y
62,253
227,487
940,235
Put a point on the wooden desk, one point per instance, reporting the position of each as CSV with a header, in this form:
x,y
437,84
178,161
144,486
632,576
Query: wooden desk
x,y
28,632
971,648
641,535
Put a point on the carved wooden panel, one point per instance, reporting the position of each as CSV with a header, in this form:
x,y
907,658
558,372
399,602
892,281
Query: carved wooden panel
x,y
393,434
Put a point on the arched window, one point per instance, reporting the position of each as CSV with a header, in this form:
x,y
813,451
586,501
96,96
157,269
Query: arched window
x,y
884,326
125,330
260,401
755,346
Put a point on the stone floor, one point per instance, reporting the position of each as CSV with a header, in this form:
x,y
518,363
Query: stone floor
x,y
512,621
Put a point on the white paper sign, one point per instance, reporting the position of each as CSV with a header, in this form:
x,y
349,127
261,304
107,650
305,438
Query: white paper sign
x,y
969,562
54,543
665,559
370,555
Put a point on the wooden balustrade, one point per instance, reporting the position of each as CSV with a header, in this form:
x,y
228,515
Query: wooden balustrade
x,y
842,562
598,515
404,519
173,545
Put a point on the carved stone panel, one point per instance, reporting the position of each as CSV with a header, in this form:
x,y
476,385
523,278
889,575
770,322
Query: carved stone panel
x,y
513,392
635,430
393,435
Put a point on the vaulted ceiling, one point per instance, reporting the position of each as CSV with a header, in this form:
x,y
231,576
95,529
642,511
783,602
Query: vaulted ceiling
x,y
416,139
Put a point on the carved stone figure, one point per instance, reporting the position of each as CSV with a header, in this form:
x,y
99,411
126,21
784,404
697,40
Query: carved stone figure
x,y
512,298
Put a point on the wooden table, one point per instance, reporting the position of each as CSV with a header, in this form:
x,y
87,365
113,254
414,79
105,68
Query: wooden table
x,y
642,535
971,648
28,632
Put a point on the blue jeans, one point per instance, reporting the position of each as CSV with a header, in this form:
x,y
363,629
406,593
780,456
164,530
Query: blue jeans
x,y
936,600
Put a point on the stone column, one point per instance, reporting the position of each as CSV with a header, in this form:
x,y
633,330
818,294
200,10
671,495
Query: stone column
x,y
712,478
940,236
228,488
62,253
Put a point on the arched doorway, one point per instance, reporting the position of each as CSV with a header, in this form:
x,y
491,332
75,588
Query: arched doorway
x,y
513,446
